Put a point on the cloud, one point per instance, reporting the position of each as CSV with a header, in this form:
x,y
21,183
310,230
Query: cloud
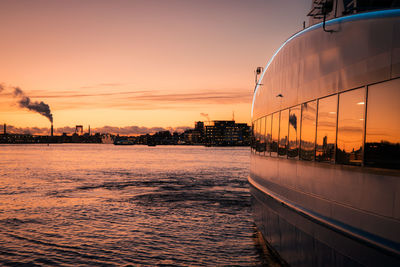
x,y
102,85
77,94
214,96
140,99
205,115
28,130
207,97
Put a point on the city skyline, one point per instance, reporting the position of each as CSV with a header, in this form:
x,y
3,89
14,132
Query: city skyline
x,y
138,64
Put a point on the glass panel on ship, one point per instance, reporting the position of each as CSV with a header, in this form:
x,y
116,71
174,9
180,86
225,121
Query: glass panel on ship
x,y
308,119
268,136
275,134
283,133
382,142
262,135
326,129
294,132
350,127
255,136
252,138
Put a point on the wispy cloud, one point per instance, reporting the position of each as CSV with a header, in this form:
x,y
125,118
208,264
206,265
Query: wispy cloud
x,y
102,85
139,99
207,97
77,94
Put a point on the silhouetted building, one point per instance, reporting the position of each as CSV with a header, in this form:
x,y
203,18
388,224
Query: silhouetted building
x,y
227,133
196,135
199,126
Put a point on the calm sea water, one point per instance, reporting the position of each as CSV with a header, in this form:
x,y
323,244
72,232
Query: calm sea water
x,y
89,204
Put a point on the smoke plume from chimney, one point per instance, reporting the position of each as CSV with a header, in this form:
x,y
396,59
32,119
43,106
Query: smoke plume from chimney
x,y
206,116
39,107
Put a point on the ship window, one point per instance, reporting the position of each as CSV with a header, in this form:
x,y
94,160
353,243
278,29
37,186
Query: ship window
x,y
257,136
382,141
268,125
283,133
275,134
308,119
326,129
262,135
253,142
294,132
350,127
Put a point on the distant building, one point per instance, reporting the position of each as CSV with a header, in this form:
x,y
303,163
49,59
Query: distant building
x,y
199,126
227,133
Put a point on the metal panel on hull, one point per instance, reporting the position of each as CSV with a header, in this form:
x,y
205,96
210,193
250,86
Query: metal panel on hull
x,y
305,242
359,199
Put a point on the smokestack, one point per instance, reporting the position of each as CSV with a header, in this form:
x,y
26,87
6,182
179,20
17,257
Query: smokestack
x,y
5,129
89,130
52,129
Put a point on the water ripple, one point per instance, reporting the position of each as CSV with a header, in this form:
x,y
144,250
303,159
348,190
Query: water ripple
x,y
98,205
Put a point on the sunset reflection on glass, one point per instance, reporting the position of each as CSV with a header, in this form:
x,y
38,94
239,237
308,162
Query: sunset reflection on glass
x,y
382,142
294,132
309,113
350,127
268,126
283,133
262,135
275,134
326,129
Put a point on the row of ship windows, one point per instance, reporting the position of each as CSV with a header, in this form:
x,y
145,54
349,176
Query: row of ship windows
x,y
356,127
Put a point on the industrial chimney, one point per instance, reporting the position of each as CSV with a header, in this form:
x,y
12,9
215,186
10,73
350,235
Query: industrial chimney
x,y
51,129
5,129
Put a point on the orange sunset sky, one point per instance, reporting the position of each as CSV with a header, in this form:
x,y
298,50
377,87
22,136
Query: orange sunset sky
x,y
138,63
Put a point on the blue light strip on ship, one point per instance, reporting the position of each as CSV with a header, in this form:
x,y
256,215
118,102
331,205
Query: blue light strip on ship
x,y
361,16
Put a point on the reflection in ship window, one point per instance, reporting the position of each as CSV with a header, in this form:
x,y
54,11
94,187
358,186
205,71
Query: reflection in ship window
x,y
257,134
252,137
294,132
262,135
268,125
275,134
326,129
308,120
350,127
283,133
382,141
